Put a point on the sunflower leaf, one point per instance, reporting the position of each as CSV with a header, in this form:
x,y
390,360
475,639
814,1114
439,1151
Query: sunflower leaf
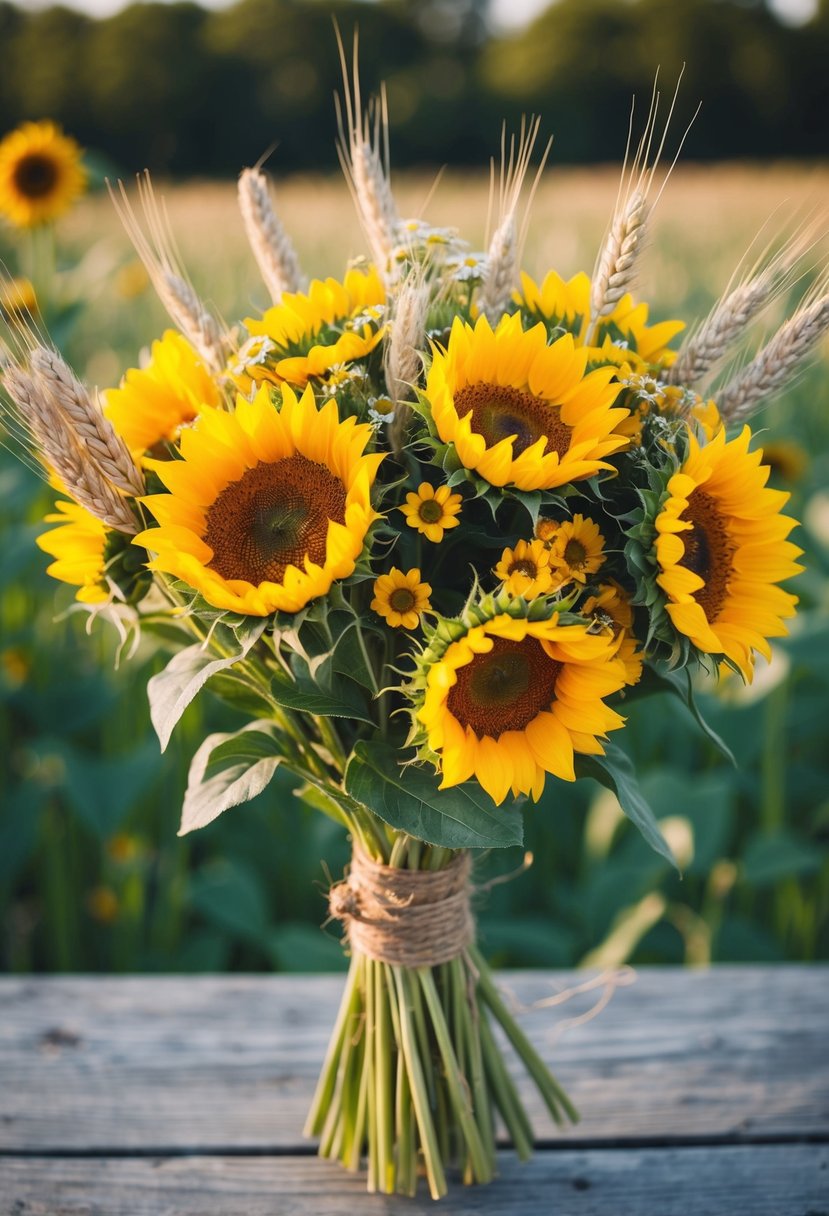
x,y
229,769
172,690
679,684
615,772
339,699
409,800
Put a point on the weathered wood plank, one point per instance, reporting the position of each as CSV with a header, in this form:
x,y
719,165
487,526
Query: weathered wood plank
x,y
790,1180
211,1063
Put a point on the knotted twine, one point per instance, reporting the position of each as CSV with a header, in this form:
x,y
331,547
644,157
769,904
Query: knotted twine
x,y
414,918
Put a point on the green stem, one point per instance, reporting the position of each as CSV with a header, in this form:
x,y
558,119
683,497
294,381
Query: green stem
x,y
458,1091
420,1097
554,1096
505,1093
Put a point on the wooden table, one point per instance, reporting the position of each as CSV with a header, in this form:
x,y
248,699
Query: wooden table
x,y
701,1092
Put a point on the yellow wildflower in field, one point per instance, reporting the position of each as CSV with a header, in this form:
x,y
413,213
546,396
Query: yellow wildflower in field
x,y
41,174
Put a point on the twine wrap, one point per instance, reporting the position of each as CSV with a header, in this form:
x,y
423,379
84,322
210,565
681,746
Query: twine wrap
x,y
413,918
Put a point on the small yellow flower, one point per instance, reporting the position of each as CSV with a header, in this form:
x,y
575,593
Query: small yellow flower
x,y
525,570
546,528
41,174
577,549
432,510
400,598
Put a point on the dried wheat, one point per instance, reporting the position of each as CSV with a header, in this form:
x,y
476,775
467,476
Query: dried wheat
x,y
617,262
504,249
363,151
406,340
156,249
275,255
94,431
55,439
771,369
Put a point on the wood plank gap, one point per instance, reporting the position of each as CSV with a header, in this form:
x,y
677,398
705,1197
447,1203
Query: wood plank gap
x,y
594,1144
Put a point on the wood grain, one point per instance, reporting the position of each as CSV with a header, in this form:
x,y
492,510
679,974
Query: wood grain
x,y
212,1064
787,1180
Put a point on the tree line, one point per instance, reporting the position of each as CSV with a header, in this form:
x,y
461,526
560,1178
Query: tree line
x,y
184,90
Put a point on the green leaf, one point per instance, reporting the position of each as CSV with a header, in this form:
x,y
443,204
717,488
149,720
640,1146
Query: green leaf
x,y
408,799
679,683
336,701
229,769
615,772
172,690
769,859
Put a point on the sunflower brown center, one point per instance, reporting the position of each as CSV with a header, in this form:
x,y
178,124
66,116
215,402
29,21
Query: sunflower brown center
x,y
708,551
35,175
575,554
505,688
500,411
274,516
431,511
402,599
525,566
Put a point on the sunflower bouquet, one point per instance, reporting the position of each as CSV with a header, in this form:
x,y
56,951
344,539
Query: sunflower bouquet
x,y
431,527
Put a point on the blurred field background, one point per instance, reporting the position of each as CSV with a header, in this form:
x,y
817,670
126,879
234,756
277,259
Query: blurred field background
x,y
92,875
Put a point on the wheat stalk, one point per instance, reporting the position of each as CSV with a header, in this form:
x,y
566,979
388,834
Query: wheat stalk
x,y
157,251
55,437
615,270
773,366
92,429
405,341
617,261
275,255
504,249
728,320
363,150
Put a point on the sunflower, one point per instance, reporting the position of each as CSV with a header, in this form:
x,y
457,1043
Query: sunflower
x,y
155,401
525,570
520,412
315,331
17,299
721,549
268,506
514,699
623,336
577,549
41,174
401,597
78,544
432,510
611,605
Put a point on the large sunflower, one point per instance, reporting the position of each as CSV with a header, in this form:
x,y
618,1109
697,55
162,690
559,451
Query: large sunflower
x,y
78,544
721,547
514,699
41,174
155,401
520,412
314,331
624,336
268,505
